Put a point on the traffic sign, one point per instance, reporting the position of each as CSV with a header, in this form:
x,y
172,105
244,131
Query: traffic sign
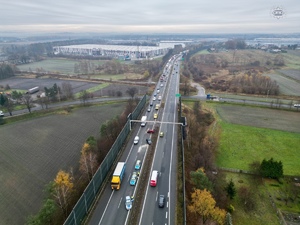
x,y
178,95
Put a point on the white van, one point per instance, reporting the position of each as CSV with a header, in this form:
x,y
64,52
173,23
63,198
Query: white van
x,y
136,140
153,181
159,98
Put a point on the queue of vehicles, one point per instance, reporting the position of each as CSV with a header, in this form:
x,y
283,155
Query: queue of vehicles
x,y
121,166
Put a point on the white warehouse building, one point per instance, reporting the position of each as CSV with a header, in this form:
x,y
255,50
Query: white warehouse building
x,y
131,52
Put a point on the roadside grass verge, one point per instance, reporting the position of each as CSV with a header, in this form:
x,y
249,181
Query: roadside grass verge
x,y
241,145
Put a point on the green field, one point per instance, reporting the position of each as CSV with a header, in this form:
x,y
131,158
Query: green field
x,y
52,65
292,61
242,141
263,213
287,86
118,76
32,152
241,145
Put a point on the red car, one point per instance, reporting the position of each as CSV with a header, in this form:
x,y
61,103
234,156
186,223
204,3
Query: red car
x,y
150,131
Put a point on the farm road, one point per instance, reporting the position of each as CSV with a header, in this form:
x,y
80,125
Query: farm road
x,y
60,104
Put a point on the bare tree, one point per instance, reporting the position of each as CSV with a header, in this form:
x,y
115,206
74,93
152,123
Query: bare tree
x,y
131,92
67,90
247,197
9,105
88,161
27,100
44,101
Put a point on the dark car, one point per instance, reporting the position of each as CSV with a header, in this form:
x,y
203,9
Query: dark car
x,y
148,140
161,201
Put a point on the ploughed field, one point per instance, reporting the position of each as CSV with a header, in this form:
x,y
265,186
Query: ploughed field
x,y
33,151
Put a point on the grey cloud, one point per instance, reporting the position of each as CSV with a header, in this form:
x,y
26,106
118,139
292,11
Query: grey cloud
x,y
155,13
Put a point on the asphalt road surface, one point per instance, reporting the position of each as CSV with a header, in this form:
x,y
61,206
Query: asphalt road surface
x,y
110,209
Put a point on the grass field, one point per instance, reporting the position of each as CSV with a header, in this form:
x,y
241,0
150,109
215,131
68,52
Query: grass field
x,y
263,213
53,65
26,83
242,141
292,61
118,76
260,117
287,86
33,151
294,74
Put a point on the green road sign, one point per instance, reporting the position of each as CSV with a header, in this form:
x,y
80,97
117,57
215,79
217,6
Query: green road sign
x,y
178,95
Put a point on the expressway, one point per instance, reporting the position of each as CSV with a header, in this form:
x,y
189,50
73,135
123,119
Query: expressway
x,y
164,162
110,209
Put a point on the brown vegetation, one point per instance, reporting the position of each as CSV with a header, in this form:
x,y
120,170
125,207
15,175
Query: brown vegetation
x,y
200,147
235,71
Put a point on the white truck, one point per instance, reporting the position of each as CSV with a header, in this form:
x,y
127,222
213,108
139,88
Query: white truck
x,y
143,121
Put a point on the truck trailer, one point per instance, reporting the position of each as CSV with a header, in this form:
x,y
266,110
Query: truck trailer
x,y
118,176
143,121
33,90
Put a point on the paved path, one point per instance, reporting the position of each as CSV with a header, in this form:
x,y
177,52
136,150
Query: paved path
x,y
201,90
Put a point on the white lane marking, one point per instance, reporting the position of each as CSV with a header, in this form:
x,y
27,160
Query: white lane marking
x,y
120,202
172,148
129,177
166,215
143,207
128,213
167,204
132,146
156,196
106,207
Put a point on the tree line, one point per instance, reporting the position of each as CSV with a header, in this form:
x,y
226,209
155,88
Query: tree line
x,y
10,99
7,70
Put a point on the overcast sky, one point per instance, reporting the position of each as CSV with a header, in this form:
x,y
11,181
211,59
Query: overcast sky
x,y
150,16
